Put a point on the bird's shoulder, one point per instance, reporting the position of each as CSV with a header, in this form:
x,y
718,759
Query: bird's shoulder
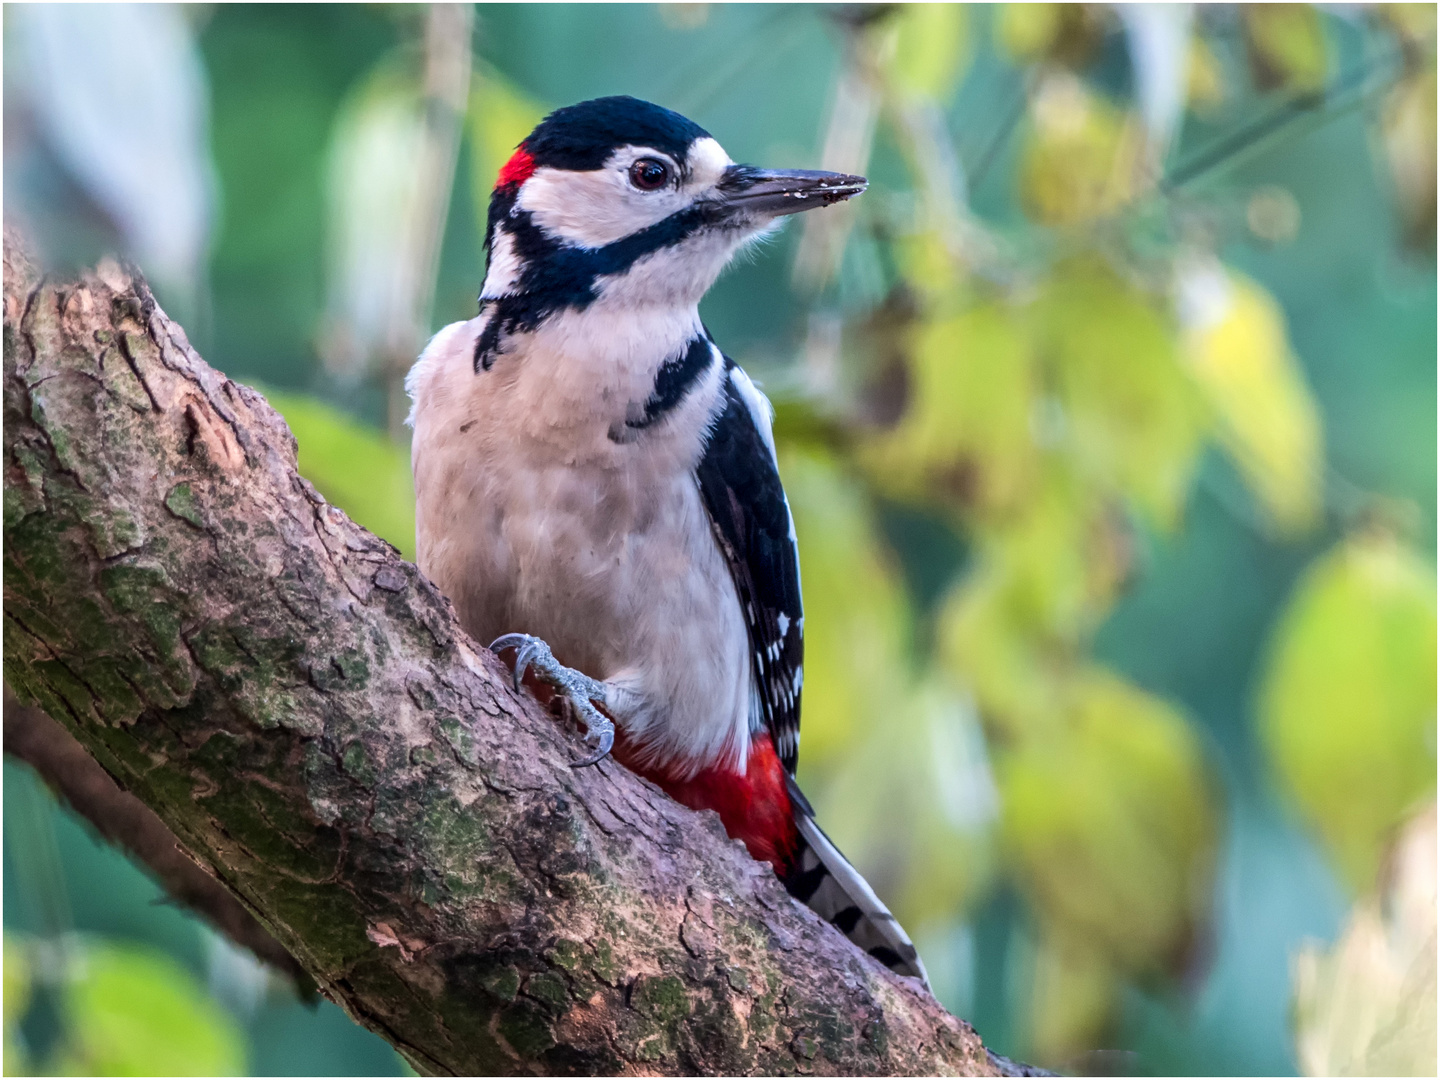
x,y
739,480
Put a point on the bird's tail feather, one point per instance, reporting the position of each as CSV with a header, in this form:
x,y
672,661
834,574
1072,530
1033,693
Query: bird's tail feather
x,y
824,881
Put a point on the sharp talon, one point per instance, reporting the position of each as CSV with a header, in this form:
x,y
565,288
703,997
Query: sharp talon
x,y
607,741
531,651
508,641
520,642
574,685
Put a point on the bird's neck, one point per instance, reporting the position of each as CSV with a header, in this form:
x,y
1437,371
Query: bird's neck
x,y
597,366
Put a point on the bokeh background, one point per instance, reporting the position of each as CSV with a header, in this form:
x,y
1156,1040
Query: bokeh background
x,y
1108,418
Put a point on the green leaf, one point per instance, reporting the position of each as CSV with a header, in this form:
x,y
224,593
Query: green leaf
x,y
966,434
1287,46
1081,157
1111,823
1074,993
855,608
1130,412
1269,422
356,467
133,1011
18,987
931,49
1347,700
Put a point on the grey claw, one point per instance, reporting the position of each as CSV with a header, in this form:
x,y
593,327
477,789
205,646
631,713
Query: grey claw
x,y
604,731
508,641
532,650
575,685
527,650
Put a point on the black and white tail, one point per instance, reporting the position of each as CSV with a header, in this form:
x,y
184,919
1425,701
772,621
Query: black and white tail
x,y
824,881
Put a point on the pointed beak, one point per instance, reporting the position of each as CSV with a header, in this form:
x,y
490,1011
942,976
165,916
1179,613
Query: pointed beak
x,y
745,189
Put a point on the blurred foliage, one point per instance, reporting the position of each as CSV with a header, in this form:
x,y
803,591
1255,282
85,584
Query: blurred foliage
x,y
357,468
17,1002
1288,49
1367,1007
125,1010
499,117
1347,706
1099,418
1239,352
1081,155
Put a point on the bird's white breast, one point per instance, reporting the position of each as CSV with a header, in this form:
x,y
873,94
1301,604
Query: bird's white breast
x,y
539,511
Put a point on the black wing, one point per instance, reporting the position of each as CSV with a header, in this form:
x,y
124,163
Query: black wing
x,y
741,488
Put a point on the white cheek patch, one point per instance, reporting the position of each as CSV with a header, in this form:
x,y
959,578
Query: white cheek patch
x,y
595,208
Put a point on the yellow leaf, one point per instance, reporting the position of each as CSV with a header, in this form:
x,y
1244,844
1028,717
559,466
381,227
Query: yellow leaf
x,y
1081,158
135,1012
1366,1007
1067,33
1074,993
1060,557
965,436
1347,701
1407,123
1026,31
1130,415
1415,23
1003,660
1042,581
928,266
1205,78
931,49
1269,422
1111,823
1287,46
18,987
922,764
855,610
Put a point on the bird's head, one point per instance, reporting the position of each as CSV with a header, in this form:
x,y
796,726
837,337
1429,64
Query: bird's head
x,y
621,199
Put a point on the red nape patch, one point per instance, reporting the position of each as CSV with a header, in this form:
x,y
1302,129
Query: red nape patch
x,y
517,170
754,808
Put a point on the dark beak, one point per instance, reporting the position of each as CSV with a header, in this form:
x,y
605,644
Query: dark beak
x,y
763,191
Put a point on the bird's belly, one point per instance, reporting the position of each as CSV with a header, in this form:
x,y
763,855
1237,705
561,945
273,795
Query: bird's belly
x,y
618,570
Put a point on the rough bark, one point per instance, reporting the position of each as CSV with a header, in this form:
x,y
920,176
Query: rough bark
x,y
300,708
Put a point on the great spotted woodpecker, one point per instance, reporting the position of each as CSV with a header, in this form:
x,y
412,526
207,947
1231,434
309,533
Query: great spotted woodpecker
x,y
592,470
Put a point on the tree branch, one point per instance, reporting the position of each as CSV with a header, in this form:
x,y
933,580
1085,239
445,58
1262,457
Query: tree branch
x,y
133,827
299,707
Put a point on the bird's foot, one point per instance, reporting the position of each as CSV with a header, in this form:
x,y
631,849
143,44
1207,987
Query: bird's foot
x,y
575,686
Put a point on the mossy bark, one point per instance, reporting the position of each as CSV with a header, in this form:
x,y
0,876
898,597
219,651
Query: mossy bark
x,y
300,707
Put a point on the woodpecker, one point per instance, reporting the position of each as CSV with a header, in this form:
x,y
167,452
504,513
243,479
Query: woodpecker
x,y
596,482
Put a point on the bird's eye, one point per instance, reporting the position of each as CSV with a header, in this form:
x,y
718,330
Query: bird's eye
x,y
647,174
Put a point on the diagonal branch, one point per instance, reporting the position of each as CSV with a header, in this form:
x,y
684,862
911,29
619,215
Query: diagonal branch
x,y
300,709
129,824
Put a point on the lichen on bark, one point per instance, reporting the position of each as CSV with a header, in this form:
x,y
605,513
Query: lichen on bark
x,y
299,706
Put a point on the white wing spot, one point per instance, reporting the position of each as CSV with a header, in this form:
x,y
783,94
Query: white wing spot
x,y
759,406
